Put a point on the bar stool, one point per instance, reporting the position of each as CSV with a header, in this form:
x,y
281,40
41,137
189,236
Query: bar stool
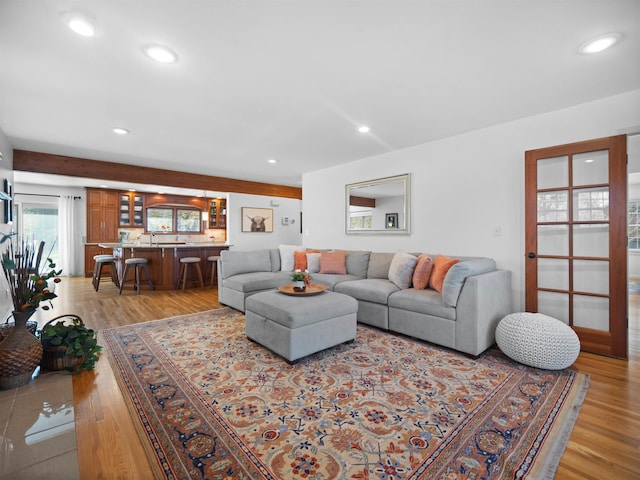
x,y
103,261
137,264
184,270
214,262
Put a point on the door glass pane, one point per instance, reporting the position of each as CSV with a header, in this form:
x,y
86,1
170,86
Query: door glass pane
x,y
159,219
591,168
591,312
553,206
553,273
591,276
591,204
553,172
40,223
555,305
553,240
591,241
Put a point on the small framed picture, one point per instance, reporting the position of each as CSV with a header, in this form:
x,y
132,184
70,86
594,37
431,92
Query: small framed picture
x,y
391,220
257,219
8,203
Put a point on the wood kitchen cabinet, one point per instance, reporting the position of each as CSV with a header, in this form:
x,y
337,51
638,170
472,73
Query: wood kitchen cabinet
x,y
131,208
218,213
102,224
102,215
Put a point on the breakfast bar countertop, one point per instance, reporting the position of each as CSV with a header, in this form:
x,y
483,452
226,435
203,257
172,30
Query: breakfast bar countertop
x,y
164,260
164,245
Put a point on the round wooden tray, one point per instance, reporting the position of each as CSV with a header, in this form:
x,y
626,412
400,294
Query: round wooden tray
x,y
312,289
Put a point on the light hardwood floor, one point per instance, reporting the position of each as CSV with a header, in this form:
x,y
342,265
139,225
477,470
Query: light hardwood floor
x,y
605,443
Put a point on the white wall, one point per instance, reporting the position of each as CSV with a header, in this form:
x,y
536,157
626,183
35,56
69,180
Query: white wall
x,y
463,186
6,171
282,234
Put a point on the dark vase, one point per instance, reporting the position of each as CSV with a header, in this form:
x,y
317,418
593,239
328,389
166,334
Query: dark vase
x,y
20,354
299,286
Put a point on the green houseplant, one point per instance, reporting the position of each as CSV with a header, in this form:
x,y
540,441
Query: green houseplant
x,y
69,345
300,280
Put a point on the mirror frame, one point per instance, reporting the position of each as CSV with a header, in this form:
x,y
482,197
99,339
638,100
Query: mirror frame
x,y
405,179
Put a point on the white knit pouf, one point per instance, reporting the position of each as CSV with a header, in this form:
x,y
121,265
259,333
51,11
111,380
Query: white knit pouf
x,y
537,340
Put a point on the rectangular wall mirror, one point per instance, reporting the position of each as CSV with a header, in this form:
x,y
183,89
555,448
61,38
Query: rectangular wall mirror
x,y
380,206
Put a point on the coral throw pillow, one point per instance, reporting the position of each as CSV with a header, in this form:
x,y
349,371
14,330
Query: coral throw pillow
x,y
300,260
422,272
441,266
334,262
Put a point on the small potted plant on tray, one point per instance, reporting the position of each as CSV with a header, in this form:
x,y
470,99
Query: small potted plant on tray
x,y
69,345
300,280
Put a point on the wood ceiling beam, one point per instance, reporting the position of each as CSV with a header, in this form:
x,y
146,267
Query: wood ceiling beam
x,y
37,162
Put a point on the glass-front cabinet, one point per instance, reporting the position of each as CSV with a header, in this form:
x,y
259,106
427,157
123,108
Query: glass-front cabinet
x,y
131,209
217,213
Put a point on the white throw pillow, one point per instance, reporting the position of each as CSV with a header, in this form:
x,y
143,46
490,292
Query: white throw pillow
x,y
287,260
401,269
313,262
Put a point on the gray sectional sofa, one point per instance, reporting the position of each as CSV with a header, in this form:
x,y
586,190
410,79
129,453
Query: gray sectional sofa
x,y
475,295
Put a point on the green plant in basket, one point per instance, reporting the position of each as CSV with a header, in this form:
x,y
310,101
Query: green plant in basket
x,y
299,276
71,341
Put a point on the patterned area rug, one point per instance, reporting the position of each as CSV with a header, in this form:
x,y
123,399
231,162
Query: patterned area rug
x,y
212,404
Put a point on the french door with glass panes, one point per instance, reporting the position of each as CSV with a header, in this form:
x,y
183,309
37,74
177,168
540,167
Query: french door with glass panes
x,y
576,239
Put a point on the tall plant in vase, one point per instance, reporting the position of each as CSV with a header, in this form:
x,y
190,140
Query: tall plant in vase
x,y
21,351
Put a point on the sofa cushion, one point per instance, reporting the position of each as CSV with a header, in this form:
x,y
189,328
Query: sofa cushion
x,y
441,266
333,262
257,281
458,273
422,272
401,269
379,264
428,302
375,290
331,279
286,256
274,253
358,263
313,262
235,262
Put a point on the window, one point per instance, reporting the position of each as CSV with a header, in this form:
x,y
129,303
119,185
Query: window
x,y
173,220
633,224
359,219
40,223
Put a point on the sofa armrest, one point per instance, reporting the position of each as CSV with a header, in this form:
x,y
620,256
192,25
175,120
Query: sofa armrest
x,y
484,300
458,274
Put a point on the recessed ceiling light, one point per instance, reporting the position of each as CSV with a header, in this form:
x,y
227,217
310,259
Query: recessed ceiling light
x,y
120,130
79,23
160,53
600,43
364,129
272,160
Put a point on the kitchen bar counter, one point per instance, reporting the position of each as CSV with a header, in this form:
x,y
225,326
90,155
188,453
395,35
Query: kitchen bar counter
x,y
164,260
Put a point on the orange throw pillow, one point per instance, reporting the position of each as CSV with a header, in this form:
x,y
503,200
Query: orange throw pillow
x,y
441,266
334,262
422,272
300,260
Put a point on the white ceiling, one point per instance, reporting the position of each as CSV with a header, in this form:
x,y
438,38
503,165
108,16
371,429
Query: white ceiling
x,y
292,80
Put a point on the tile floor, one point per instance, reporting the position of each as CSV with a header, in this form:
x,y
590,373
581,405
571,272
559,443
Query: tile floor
x,y
37,430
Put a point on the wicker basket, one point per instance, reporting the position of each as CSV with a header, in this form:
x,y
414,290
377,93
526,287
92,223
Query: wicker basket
x,y
6,328
55,358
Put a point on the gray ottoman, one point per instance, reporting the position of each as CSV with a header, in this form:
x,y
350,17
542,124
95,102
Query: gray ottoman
x,y
297,326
